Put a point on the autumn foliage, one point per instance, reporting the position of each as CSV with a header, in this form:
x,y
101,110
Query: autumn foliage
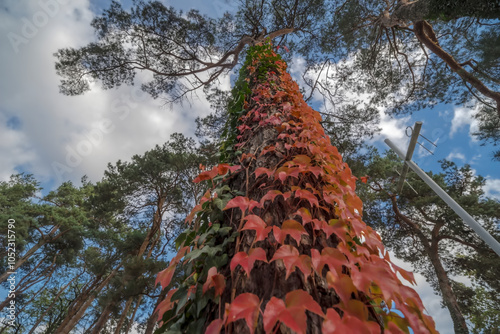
x,y
282,209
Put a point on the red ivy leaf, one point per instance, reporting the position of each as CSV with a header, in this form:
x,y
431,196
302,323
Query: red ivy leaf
x,y
243,127
302,160
214,327
291,312
349,324
286,106
220,169
283,172
307,195
165,276
207,175
334,259
305,214
256,223
245,306
289,255
245,156
276,311
407,275
267,149
214,280
291,259
270,196
343,285
302,300
294,229
332,323
364,179
166,304
243,203
246,261
224,168
262,170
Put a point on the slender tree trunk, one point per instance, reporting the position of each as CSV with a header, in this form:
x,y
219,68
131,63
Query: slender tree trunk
x,y
132,317
39,320
28,281
156,223
22,260
49,238
71,322
449,298
80,299
124,315
103,318
152,320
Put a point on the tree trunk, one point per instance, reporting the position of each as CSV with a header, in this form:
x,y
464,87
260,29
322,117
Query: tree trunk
x,y
39,320
154,316
21,261
431,250
103,318
153,231
449,298
320,256
425,34
80,299
70,321
132,317
124,315
32,250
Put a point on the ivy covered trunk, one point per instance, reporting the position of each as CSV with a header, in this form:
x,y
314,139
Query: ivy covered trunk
x,y
277,244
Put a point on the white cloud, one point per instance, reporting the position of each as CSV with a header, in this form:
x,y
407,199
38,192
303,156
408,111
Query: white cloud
x,y
455,155
60,137
14,149
463,117
475,159
492,187
393,129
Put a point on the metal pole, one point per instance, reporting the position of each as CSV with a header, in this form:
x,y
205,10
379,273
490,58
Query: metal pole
x,y
483,234
409,155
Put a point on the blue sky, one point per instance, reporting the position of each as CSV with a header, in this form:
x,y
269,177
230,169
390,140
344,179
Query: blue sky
x,y
59,138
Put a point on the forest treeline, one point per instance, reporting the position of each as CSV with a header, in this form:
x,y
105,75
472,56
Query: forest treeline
x,y
88,255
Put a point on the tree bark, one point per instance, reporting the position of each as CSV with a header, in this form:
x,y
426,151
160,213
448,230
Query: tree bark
x,y
39,320
103,318
132,317
449,298
286,153
71,321
431,250
49,238
425,34
154,316
123,316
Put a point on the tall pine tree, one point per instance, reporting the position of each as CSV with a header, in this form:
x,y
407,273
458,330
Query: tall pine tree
x,y
277,243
